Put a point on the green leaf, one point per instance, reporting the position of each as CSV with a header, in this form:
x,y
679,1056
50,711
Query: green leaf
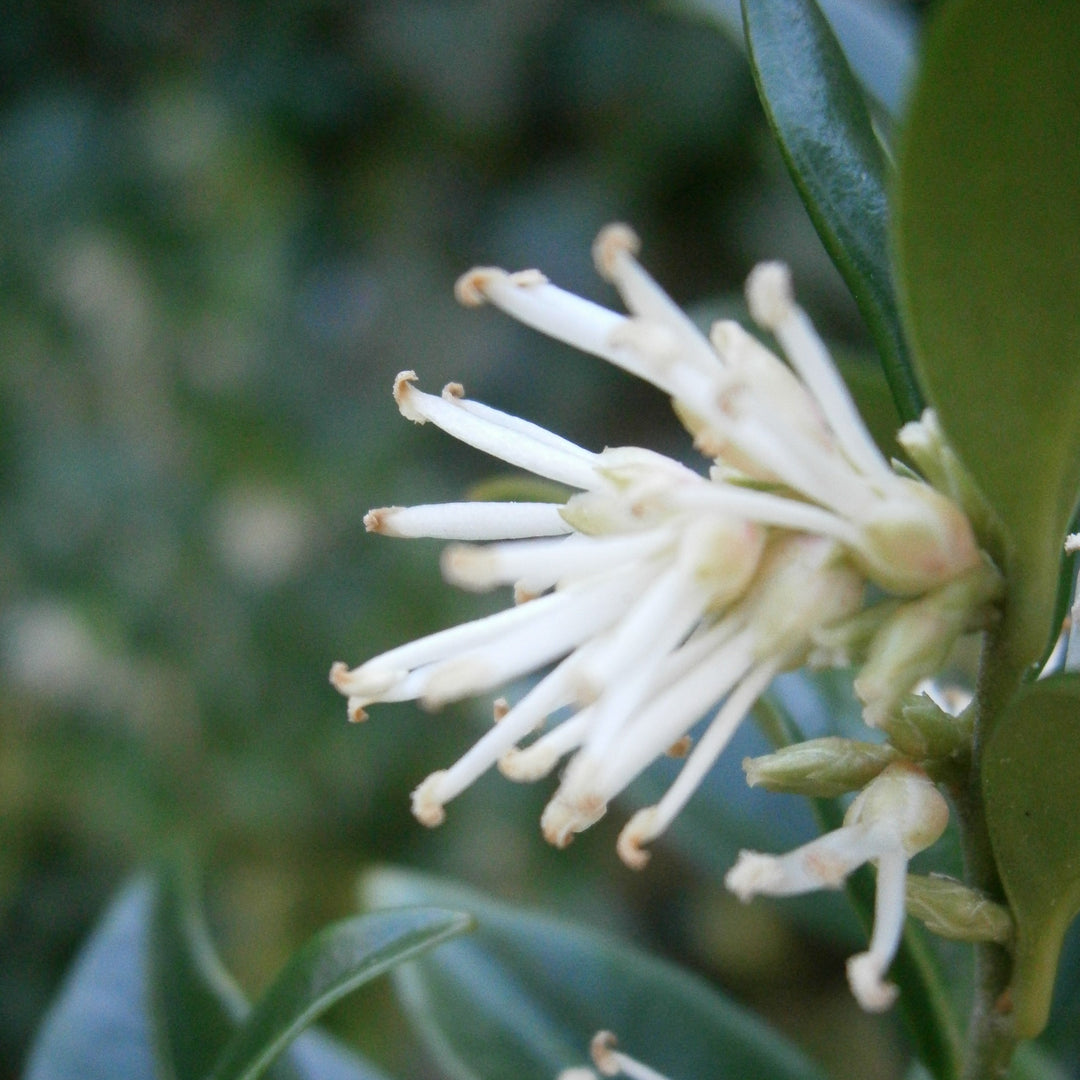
x,y
821,121
1032,795
195,1005
987,216
106,1022
97,1028
878,39
335,962
521,998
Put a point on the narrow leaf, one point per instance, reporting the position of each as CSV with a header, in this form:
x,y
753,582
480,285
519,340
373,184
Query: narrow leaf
x,y
878,38
987,215
1030,770
819,115
97,1028
335,962
195,1005
521,998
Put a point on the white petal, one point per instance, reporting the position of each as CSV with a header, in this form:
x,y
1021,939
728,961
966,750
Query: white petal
x,y
501,440
439,788
542,563
768,291
767,509
624,753
516,424
552,630
457,640
866,972
821,864
469,520
643,827
613,253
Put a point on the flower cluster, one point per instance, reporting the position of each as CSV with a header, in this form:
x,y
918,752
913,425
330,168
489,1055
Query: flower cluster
x,y
658,592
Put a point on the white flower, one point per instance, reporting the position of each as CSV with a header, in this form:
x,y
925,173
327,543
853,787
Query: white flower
x,y
659,592
897,815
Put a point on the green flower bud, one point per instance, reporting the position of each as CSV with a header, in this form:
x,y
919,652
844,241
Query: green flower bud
x,y
821,768
953,910
916,641
924,731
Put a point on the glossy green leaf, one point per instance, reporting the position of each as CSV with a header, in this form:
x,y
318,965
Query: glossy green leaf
x,y
819,115
195,1005
521,998
987,216
1031,767
335,962
107,1020
97,1029
878,38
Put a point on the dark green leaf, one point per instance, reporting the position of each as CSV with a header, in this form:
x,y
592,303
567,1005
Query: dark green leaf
x,y
97,1029
987,216
521,998
1032,795
100,1026
819,115
335,962
194,1003
878,40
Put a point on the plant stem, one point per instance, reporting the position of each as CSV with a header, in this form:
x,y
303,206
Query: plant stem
x,y
990,1040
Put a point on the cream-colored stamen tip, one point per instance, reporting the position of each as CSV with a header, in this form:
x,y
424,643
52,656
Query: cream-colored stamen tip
x,y
427,807
403,393
499,708
753,873
375,520
635,833
613,241
453,391
680,747
525,766
870,989
602,1051
471,288
769,294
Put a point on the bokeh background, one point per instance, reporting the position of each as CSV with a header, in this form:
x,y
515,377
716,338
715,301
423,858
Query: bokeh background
x,y
224,227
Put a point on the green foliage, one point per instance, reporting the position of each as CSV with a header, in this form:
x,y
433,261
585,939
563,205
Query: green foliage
x,y
1030,769
149,998
340,958
525,993
822,123
988,195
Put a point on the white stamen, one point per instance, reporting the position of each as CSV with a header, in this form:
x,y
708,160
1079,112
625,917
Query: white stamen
x,y
469,520
613,253
456,640
866,971
772,305
646,825
552,631
500,440
541,563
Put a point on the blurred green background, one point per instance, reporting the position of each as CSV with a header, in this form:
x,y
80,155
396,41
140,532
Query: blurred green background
x,y
224,227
